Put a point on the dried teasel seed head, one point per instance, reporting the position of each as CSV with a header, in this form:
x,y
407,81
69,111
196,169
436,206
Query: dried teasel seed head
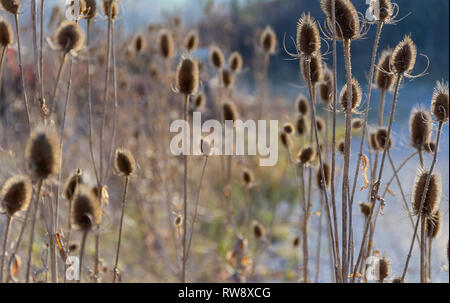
x,y
69,37
439,102
139,44
199,101
386,10
365,209
308,37
315,68
6,33
302,104
247,177
43,153
71,185
268,40
384,79
374,141
296,242
346,16
179,221
404,56
357,124
420,128
258,230
11,6
385,269
15,194
187,77
307,155
433,225
124,162
288,128
192,41
230,112
91,9
235,62
216,57
302,125
326,86
320,124
107,9
382,139
356,95
433,196
166,44
86,210
319,177
341,146
285,140
227,78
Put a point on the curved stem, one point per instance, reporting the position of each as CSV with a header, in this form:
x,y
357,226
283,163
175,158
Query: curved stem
x,y
55,89
116,263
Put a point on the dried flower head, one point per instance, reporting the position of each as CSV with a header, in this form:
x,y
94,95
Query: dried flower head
x,y
347,19
382,139
230,112
216,57
11,6
319,177
199,101
365,209
86,211
320,124
187,77
235,62
302,104
386,10
439,102
296,242
247,177
258,230
71,185
268,40
433,196
288,128
356,95
139,44
227,78
192,41
341,146
16,194
6,33
420,127
384,79
43,153
315,68
285,140
166,44
302,125
91,9
385,269
68,37
374,141
357,124
108,9
404,56
124,162
307,155
326,86
433,225
308,37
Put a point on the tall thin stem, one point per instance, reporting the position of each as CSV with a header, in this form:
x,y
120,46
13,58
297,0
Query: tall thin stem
x,y
116,263
55,89
5,241
185,191
82,248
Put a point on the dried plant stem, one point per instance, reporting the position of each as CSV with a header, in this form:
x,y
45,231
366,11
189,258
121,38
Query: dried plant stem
x,y
185,191
5,121
422,250
41,57
116,263
35,46
304,225
19,51
69,234
55,89
5,241
422,203
430,242
319,241
82,248
33,224
376,186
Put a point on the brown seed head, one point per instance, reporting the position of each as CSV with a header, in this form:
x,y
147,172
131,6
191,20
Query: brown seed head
x,y
404,56
192,41
439,102
384,79
43,153
288,128
11,6
69,37
296,242
124,162
347,20
107,9
420,128
187,77
315,67
386,10
433,196
166,44
258,230
248,177
216,57
433,225
285,140
6,33
365,209
71,185
320,124
308,37
374,141
199,101
302,104
319,177
326,86
91,9
382,139
16,194
385,268
268,40
307,155
230,112
235,62
86,211
356,95
302,125
357,124
139,44
341,146
227,78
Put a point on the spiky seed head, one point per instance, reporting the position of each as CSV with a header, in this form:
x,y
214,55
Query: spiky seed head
x,y
43,153
386,10
374,141
315,68
430,147
124,162
384,79
247,177
307,155
192,41
382,139
268,40
302,104
91,9
404,56
16,194
320,124
199,101
285,140
365,209
433,225
86,210
258,230
235,62
227,78
139,44
347,19
230,112
216,57
326,86
433,196
296,242
439,102
420,128
341,146
166,44
187,77
178,221
6,33
308,37
69,37
356,95
357,124
107,9
11,6
302,125
385,269
288,128
319,178
71,185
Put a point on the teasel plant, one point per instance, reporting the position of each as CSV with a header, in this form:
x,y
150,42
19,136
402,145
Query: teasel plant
x,y
125,164
15,196
13,7
427,187
187,83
